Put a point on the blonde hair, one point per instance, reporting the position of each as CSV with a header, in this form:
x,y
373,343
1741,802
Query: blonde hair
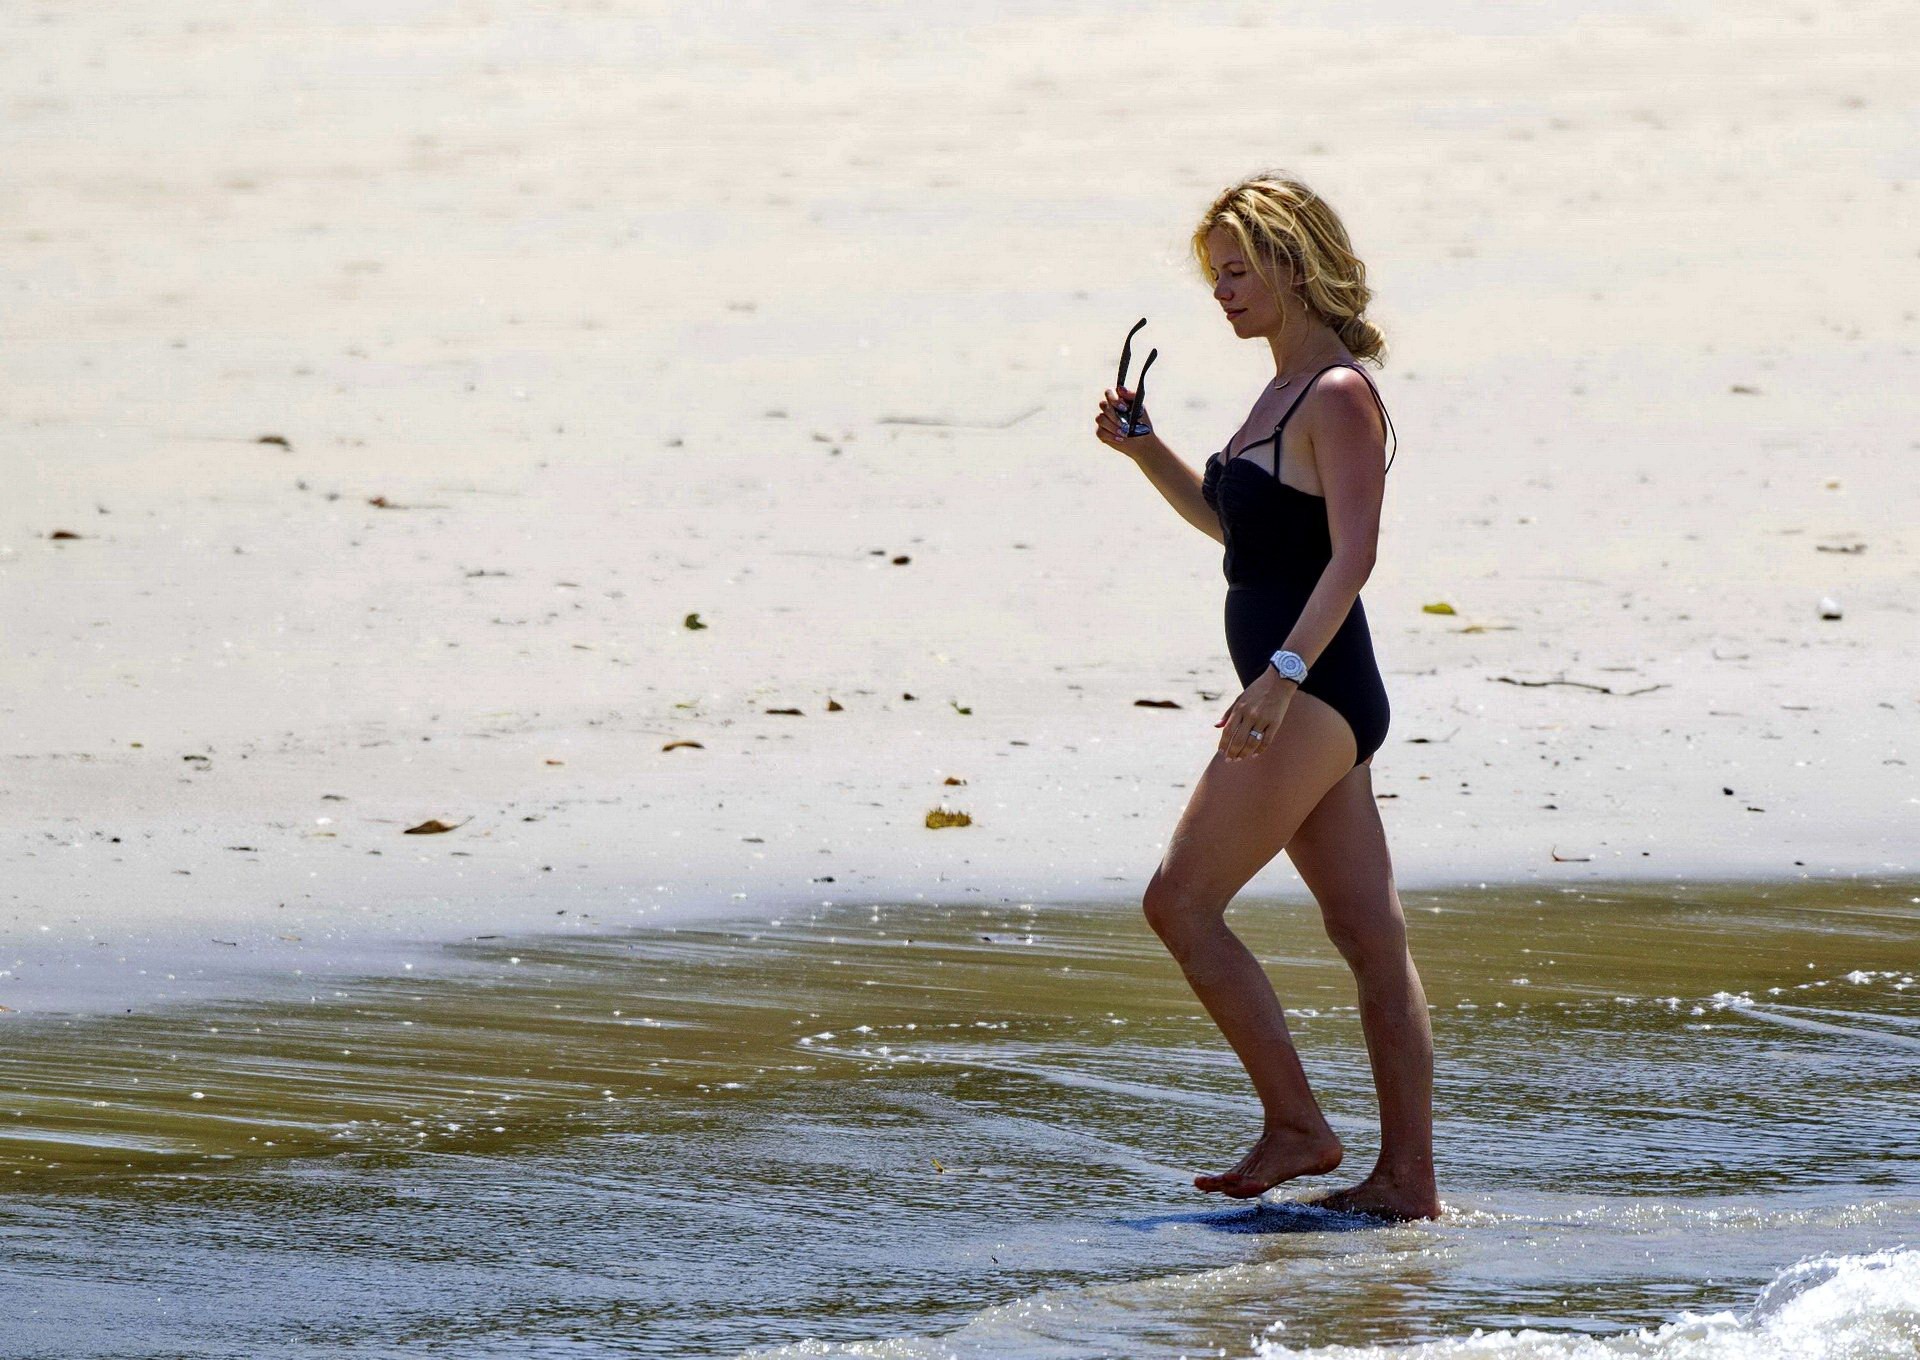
x,y
1272,216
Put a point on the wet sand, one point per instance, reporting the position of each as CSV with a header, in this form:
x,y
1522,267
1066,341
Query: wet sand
x,y
972,1130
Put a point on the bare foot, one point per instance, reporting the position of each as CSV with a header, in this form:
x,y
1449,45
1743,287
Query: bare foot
x,y
1382,1195
1280,1154
1219,1178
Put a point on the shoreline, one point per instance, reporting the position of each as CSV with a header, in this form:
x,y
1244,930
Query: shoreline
x,y
179,963
756,830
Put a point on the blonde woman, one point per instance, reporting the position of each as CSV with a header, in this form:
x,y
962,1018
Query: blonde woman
x,y
1295,500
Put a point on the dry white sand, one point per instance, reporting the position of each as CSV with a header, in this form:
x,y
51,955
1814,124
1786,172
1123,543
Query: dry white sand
x,y
632,312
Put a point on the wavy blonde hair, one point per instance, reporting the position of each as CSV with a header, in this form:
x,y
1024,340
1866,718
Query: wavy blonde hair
x,y
1272,216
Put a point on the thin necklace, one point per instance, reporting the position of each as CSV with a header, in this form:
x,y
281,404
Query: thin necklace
x,y
1275,386
1279,383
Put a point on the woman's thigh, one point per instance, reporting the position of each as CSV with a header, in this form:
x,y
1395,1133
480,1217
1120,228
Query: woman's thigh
x,y
1340,851
1243,812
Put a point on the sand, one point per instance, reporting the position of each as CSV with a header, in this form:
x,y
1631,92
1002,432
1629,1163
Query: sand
x,y
566,325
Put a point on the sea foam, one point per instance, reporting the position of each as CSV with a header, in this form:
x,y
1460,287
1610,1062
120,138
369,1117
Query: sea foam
x,y
1864,1307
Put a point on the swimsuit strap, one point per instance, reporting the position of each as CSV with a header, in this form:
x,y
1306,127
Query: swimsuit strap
x,y
1383,410
1303,396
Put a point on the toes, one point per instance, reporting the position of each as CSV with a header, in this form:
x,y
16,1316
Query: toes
x,y
1218,1179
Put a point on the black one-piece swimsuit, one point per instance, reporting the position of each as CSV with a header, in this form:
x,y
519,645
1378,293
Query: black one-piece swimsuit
x,y
1277,544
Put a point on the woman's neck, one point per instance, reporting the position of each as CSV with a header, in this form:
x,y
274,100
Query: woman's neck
x,y
1307,350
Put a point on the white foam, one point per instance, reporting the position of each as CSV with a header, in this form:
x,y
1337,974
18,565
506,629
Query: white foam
x,y
1864,1307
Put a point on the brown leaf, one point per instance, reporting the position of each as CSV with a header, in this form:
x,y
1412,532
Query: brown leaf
x,y
791,712
953,779
63,533
433,826
279,439
835,706
1155,703
672,745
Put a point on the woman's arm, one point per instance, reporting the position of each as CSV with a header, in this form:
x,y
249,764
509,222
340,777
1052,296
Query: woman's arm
x,y
1172,478
1180,484
1349,448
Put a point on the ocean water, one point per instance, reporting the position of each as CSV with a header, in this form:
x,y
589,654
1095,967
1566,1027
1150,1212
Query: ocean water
x,y
1672,1121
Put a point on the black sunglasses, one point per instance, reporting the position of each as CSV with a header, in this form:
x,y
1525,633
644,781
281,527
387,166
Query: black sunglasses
x,y
1140,393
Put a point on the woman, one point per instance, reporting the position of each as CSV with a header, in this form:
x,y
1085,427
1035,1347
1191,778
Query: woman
x,y
1298,511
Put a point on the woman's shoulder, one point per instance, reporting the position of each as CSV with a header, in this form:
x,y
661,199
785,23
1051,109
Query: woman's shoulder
x,y
1344,404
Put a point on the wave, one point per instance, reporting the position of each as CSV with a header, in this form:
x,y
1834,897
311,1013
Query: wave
x,y
1864,1307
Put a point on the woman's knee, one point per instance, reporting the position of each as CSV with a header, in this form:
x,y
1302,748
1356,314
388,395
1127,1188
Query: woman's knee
x,y
1177,912
1368,940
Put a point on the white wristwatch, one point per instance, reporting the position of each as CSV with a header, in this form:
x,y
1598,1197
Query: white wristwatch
x,y
1290,665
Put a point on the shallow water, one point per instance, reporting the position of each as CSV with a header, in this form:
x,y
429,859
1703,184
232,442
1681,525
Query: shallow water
x,y
922,1131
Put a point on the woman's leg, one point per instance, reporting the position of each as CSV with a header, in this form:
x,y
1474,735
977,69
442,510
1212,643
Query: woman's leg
x,y
1240,815
1341,853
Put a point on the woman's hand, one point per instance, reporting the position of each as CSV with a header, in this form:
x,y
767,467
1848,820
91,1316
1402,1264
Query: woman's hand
x,y
1259,709
1110,427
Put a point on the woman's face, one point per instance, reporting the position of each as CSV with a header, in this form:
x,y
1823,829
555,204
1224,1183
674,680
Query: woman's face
x,y
1250,306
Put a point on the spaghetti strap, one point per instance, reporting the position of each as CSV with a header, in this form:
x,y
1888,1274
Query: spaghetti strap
x,y
1383,410
1297,400
1277,429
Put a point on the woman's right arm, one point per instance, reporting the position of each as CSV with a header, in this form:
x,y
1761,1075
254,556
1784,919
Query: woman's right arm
x,y
1171,477
1176,481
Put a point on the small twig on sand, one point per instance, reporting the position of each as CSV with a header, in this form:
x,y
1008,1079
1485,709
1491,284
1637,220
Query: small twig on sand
x,y
1577,684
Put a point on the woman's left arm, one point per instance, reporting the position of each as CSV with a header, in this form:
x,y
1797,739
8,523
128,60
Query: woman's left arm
x,y
1349,450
